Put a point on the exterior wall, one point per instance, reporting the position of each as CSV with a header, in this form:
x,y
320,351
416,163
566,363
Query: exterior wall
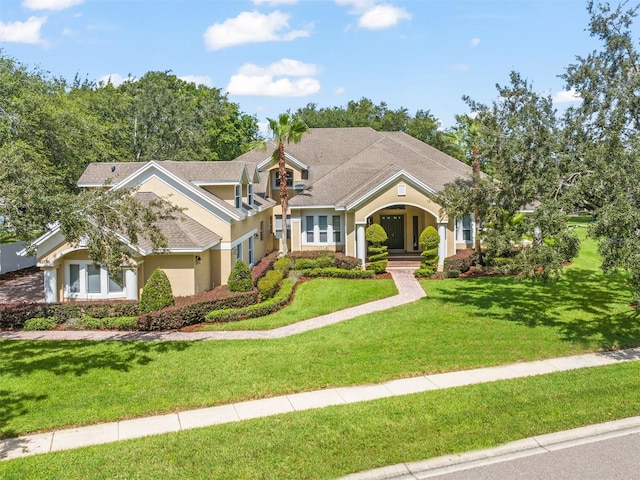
x,y
179,269
225,192
192,209
391,196
203,272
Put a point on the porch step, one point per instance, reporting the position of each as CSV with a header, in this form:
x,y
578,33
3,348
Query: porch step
x,y
406,260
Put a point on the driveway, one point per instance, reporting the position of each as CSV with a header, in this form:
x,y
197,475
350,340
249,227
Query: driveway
x,y
22,286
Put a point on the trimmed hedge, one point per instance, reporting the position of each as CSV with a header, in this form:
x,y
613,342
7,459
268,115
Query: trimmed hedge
x,y
304,264
108,323
173,318
261,309
378,266
269,284
337,273
266,263
40,323
13,316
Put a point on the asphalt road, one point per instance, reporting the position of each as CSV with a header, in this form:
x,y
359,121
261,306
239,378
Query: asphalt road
x,y
612,459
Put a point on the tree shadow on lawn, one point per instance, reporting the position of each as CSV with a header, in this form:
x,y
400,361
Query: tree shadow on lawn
x,y
13,405
20,358
585,306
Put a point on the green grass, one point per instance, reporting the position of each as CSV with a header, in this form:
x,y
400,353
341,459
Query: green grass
x,y
462,324
335,441
310,300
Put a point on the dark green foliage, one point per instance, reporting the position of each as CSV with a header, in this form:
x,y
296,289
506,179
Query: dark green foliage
x,y
429,240
264,265
325,261
378,266
40,323
190,313
304,264
157,293
348,263
461,262
283,264
376,236
333,272
280,299
13,316
240,279
269,284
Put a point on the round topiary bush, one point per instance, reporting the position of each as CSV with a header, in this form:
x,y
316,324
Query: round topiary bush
x,y
157,293
240,279
376,236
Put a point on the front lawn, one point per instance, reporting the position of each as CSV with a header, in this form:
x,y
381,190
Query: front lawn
x,y
462,324
310,300
335,441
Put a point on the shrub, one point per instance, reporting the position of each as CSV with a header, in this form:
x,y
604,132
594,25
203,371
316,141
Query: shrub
x,y
347,263
157,293
376,236
107,323
424,272
452,273
283,264
261,309
378,267
337,273
269,284
325,261
173,318
429,240
40,323
304,264
265,264
460,262
240,279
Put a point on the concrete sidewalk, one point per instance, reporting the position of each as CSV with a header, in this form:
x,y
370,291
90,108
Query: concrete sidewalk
x,y
409,290
128,429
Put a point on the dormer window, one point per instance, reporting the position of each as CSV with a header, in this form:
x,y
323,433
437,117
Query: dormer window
x,y
276,179
238,200
250,194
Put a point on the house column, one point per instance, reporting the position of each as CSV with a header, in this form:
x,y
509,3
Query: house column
x,y
131,282
361,244
442,246
51,285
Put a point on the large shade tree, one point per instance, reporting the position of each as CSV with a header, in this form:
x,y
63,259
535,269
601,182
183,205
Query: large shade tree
x,y
285,129
603,136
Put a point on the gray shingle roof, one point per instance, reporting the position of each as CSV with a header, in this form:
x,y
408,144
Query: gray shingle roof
x,y
182,233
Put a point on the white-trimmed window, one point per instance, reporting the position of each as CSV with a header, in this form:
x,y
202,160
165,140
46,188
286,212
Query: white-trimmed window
x,y
250,194
238,252
322,229
238,196
251,251
464,229
261,230
276,178
83,279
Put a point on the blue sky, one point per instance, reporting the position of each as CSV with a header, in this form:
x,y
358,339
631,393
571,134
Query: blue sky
x,y
272,56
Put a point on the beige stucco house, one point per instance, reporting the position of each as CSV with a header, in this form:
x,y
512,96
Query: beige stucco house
x,y
340,180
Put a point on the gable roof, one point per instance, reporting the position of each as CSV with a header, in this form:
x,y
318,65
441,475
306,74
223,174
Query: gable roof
x,y
345,164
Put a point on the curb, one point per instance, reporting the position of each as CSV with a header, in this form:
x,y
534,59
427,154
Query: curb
x,y
510,451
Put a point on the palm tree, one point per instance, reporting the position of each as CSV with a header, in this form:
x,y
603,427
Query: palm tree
x,y
287,129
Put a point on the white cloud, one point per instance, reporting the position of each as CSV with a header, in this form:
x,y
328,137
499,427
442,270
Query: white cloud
x,y
251,27
339,91
475,42
198,80
383,16
566,96
374,15
273,3
50,4
22,32
461,67
274,80
115,78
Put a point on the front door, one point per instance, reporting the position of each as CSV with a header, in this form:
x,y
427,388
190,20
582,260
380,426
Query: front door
x,y
394,226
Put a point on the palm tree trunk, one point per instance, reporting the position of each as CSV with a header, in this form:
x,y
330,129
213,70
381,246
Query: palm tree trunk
x,y
284,196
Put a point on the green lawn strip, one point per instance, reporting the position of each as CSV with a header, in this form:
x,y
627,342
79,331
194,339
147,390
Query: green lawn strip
x,y
461,324
313,298
335,441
